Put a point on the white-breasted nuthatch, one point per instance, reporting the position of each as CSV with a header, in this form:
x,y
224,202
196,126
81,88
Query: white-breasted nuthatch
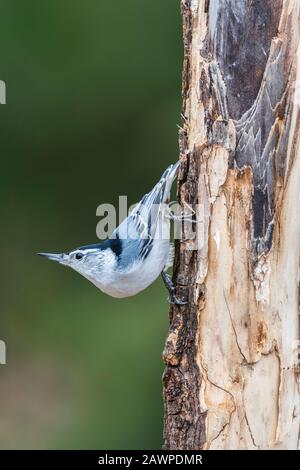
x,y
136,253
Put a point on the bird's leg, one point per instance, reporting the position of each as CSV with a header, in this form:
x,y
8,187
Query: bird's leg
x,y
171,289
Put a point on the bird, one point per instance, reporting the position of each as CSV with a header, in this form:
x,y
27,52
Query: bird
x,y
136,253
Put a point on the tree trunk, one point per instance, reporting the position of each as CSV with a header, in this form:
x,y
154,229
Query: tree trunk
x,y
231,376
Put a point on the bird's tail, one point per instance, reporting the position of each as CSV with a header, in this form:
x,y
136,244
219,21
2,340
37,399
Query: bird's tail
x,y
167,179
148,209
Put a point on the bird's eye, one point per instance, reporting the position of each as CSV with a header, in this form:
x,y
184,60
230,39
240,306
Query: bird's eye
x,y
79,256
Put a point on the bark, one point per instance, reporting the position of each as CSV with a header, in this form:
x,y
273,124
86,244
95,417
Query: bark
x,y
231,376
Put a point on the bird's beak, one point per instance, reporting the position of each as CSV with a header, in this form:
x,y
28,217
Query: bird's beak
x,y
59,257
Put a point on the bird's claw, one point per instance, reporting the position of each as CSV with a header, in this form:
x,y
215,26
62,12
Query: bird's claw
x,y
172,299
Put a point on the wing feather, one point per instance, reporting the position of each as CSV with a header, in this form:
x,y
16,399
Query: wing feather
x,y
140,227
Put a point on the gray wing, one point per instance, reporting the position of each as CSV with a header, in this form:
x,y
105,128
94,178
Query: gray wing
x,y
137,231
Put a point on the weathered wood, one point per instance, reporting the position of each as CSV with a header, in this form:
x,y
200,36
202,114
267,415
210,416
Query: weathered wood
x,y
231,378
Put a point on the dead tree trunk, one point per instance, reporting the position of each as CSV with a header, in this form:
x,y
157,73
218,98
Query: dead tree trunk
x,y
231,378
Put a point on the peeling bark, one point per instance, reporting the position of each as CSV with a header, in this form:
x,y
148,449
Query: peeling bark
x,y
231,378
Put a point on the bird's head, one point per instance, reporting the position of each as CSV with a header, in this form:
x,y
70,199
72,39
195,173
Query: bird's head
x,y
90,261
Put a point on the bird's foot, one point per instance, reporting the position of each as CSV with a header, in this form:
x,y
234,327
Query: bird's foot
x,y
172,299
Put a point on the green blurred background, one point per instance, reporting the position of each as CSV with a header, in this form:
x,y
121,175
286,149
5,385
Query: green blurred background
x,y
93,99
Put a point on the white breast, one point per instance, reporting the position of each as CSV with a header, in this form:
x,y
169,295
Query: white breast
x,y
139,276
